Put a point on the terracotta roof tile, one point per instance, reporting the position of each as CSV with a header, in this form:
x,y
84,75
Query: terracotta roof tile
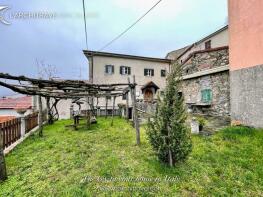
x,y
24,102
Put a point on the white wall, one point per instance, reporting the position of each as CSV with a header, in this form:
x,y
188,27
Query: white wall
x,y
137,69
12,112
219,40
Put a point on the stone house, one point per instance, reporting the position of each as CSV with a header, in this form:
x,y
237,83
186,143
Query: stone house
x,y
205,66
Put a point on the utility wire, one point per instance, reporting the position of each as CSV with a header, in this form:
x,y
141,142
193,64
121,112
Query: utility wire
x,y
85,23
138,20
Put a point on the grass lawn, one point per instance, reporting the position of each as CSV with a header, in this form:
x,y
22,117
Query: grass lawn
x,y
228,163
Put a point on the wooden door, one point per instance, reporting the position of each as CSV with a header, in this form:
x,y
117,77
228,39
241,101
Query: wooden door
x,y
148,95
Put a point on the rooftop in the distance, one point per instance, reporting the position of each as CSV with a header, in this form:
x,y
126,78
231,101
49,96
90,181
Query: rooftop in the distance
x,y
24,102
89,53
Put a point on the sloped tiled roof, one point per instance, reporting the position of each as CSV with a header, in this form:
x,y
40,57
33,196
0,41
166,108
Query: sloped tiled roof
x,y
24,102
149,85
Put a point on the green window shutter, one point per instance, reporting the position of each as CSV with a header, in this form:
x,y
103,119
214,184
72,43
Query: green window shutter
x,y
106,68
145,72
206,95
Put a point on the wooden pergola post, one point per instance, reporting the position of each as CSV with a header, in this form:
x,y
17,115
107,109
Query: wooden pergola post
x,y
49,115
3,174
106,111
135,115
113,109
127,106
40,117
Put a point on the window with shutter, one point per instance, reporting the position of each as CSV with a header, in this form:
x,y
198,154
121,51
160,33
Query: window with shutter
x,y
206,95
109,69
208,44
163,73
125,70
149,72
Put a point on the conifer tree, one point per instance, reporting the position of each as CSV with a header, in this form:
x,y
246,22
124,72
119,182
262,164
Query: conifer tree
x,y
167,132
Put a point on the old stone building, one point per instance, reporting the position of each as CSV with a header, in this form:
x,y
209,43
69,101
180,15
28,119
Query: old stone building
x,y
205,66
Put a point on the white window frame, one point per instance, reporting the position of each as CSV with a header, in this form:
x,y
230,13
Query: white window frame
x,y
110,69
125,70
149,72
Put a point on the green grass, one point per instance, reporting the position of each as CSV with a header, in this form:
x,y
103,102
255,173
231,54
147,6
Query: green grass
x,y
228,163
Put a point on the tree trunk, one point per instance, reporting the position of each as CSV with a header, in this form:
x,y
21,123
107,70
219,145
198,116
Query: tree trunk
x,y
40,117
3,174
170,158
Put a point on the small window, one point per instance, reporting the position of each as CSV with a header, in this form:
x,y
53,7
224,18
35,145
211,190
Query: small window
x,y
208,44
125,70
124,97
108,97
148,72
109,69
206,96
163,73
180,95
161,93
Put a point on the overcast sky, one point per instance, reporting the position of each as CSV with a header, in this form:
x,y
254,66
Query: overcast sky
x,y
60,40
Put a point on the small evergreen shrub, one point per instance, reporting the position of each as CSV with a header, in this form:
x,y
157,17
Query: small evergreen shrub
x,y
167,133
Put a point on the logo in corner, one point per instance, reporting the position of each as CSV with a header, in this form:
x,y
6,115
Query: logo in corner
x,y
3,9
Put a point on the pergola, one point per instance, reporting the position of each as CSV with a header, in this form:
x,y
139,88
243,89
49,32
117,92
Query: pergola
x,y
71,89
66,89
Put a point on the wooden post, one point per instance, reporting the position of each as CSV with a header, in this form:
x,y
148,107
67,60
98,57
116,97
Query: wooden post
x,y
127,106
49,116
3,174
135,115
113,109
106,112
40,117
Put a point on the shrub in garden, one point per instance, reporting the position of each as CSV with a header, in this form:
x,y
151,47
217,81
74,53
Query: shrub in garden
x,y
167,132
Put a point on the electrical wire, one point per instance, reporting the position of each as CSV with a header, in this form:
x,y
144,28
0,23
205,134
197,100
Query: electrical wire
x,y
126,30
85,23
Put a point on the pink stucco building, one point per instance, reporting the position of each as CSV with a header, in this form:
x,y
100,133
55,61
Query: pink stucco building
x,y
246,61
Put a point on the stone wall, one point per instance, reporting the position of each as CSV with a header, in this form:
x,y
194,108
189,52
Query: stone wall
x,y
247,96
218,83
206,60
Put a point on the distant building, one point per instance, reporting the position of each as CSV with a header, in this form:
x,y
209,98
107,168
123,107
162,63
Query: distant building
x,y
150,73
9,105
246,61
206,74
